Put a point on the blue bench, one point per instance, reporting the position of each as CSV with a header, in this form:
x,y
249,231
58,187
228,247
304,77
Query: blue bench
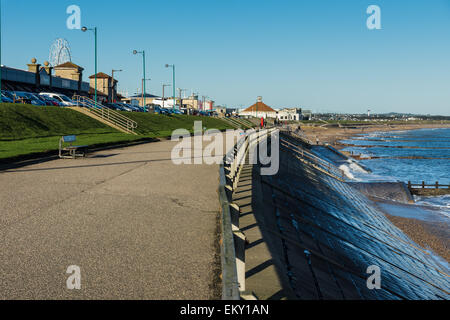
x,y
70,151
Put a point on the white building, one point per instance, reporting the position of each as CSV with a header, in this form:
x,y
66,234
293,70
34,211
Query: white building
x,y
261,110
166,103
292,114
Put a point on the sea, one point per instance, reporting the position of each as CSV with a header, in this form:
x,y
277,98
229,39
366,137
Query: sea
x,y
413,155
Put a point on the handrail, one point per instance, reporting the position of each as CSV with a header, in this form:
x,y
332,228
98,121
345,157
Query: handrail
x,y
111,113
233,278
112,116
325,165
234,123
230,287
243,123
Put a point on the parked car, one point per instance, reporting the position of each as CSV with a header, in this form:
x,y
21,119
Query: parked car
x,y
66,101
127,107
29,98
114,106
6,99
111,106
9,95
137,108
160,110
50,101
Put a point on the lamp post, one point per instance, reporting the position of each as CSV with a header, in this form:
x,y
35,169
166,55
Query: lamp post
x,y
84,29
1,99
143,81
181,101
112,85
164,86
173,81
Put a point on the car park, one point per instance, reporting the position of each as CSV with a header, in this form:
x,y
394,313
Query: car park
x,y
63,99
116,107
6,99
123,107
50,101
9,95
127,107
112,106
29,98
158,110
136,108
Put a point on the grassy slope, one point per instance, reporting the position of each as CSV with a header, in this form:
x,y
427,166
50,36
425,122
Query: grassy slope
x,y
28,129
157,125
24,121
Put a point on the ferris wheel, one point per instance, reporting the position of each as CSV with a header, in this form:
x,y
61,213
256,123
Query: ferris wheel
x,y
59,52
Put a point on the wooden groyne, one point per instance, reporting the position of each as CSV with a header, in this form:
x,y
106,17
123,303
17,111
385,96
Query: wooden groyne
x,y
423,189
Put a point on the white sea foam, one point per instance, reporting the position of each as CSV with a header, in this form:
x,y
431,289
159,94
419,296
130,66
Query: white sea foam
x,y
355,167
405,170
347,171
441,202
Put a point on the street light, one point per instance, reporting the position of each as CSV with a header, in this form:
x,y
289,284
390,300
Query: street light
x,y
164,86
143,82
112,85
173,81
181,100
1,99
84,29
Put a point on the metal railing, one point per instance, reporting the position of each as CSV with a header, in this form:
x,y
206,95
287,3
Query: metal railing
x,y
232,238
423,185
245,124
322,164
230,283
233,123
106,114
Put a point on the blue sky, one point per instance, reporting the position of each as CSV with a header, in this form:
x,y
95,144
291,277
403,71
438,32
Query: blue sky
x,y
317,54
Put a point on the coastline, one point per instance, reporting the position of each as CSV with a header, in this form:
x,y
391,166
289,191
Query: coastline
x,y
431,235
331,135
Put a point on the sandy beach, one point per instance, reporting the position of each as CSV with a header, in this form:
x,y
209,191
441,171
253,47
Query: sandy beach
x,y
429,235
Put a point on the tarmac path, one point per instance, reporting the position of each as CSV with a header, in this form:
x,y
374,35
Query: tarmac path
x,y
138,226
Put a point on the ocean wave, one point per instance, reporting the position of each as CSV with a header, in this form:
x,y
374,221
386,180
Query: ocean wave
x,y
399,164
440,202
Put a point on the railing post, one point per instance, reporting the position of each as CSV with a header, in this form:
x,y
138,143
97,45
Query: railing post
x,y
437,184
423,184
409,185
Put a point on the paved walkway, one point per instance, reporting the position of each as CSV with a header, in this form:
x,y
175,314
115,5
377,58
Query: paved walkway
x,y
138,226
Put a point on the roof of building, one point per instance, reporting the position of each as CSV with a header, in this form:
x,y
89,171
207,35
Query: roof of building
x,y
69,65
101,75
259,107
147,95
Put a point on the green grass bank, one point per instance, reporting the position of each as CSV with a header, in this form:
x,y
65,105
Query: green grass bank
x,y
26,129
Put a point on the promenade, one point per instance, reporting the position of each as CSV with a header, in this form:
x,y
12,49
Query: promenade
x,y
138,226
